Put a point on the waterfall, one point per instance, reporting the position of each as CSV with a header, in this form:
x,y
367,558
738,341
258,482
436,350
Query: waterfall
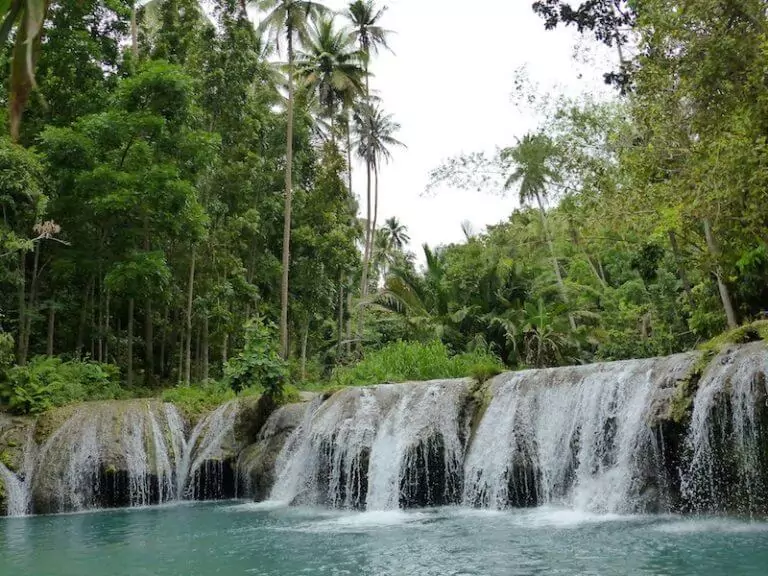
x,y
377,447
110,454
17,486
727,467
202,467
576,436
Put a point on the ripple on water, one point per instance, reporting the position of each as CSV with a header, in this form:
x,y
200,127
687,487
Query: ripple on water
x,y
712,525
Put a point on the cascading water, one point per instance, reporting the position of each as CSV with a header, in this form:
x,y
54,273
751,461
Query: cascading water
x,y
109,454
377,448
576,436
727,441
17,485
202,469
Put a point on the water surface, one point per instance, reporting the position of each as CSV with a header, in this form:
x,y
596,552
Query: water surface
x,y
267,539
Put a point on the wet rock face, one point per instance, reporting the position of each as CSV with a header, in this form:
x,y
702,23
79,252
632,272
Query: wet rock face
x,y
426,480
256,462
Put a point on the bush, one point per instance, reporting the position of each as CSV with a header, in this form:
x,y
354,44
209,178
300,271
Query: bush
x,y
259,363
196,400
49,382
406,361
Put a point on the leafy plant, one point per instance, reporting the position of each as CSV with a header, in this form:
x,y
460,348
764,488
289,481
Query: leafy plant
x,y
47,382
405,361
259,362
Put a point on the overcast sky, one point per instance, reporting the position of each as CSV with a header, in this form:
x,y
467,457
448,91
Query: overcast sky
x,y
449,84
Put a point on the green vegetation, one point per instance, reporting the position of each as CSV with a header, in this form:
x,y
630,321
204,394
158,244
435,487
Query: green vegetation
x,y
45,383
180,221
413,361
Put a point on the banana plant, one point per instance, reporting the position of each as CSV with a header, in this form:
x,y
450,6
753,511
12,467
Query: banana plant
x,y
26,18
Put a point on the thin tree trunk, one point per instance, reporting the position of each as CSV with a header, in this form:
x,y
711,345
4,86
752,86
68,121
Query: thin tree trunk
x,y
197,354
679,261
149,335
100,332
106,328
134,34
725,295
51,328
288,203
31,303
375,214
163,341
181,348
205,348
366,257
555,263
349,157
83,318
206,351
349,320
224,349
304,338
341,313
130,341
190,293
21,356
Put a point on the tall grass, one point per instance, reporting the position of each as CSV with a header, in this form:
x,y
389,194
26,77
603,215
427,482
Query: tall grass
x,y
407,361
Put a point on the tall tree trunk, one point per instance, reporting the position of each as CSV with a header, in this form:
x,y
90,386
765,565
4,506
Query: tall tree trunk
x,y
725,295
205,348
375,214
106,328
349,157
190,293
340,314
288,203
349,319
555,263
21,355
197,354
130,341
366,257
32,304
163,342
134,34
100,331
680,266
149,335
304,338
83,318
51,328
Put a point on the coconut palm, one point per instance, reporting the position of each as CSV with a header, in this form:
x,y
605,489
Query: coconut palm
x,y
370,36
375,136
330,66
288,19
534,171
396,233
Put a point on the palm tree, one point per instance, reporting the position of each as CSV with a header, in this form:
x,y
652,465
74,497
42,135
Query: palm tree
x,y
535,173
330,67
365,17
289,19
375,132
396,233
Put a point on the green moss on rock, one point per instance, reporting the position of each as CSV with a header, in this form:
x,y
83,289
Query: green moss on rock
x,y
753,332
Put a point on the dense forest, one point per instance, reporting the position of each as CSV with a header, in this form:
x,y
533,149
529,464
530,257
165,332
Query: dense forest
x,y
177,202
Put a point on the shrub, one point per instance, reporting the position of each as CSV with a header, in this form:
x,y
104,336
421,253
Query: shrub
x,y
198,399
405,361
46,382
259,363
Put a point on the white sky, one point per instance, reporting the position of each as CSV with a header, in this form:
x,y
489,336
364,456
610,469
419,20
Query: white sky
x,y
449,84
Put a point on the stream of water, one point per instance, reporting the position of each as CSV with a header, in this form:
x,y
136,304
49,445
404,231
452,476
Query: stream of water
x,y
270,540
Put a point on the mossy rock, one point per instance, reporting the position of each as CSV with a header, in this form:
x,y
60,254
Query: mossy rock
x,y
50,421
752,332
